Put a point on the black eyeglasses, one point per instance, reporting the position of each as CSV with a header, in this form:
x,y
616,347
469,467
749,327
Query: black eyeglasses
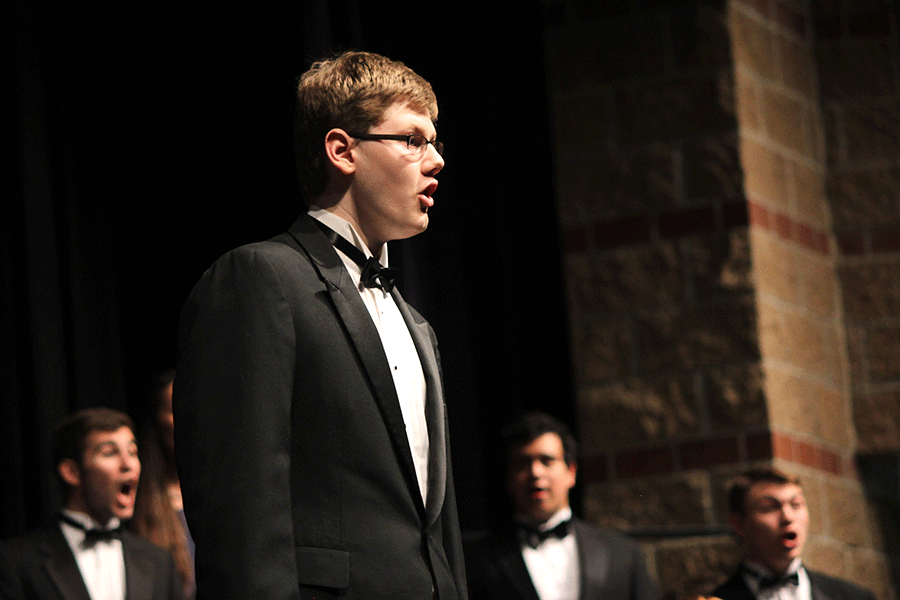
x,y
415,142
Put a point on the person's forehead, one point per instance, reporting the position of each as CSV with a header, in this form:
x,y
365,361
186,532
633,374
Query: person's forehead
x,y
549,444
770,490
403,114
98,438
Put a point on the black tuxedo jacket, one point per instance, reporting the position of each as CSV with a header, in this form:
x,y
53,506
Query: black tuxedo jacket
x,y
295,467
612,568
40,566
823,588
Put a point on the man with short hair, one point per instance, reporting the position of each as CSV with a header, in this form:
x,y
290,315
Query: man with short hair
x,y
311,433
85,553
548,554
768,512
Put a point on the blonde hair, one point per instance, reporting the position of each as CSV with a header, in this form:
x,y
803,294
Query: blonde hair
x,y
350,91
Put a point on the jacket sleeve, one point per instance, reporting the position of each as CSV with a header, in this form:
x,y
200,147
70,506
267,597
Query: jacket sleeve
x,y
232,400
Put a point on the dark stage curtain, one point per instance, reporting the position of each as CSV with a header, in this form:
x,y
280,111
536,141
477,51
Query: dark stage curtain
x,y
142,142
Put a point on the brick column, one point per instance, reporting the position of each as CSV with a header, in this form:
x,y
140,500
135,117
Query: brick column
x,y
717,320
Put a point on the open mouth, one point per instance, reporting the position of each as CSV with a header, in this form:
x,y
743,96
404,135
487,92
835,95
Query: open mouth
x,y
789,539
425,197
126,493
537,493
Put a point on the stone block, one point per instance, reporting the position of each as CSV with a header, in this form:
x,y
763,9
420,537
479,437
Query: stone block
x,y
884,354
695,566
765,175
877,425
626,279
588,189
811,203
711,167
817,285
649,503
601,347
775,266
807,344
872,129
870,291
747,96
623,414
870,570
848,514
714,332
857,69
798,72
676,107
825,555
806,407
719,263
751,44
735,397
865,197
788,121
856,355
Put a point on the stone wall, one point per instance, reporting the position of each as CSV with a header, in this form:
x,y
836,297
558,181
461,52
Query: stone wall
x,y
731,257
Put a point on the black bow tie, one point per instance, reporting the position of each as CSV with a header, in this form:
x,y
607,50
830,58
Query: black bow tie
x,y
92,536
534,537
373,273
768,583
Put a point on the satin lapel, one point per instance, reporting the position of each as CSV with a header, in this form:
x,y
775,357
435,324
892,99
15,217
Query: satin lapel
x,y
138,573
512,565
62,568
594,559
817,593
355,317
434,410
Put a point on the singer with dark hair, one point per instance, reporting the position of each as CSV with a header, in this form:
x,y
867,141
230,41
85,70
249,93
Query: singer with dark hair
x,y
84,552
546,552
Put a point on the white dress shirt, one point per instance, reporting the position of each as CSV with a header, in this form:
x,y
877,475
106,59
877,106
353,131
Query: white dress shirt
x,y
406,369
801,591
102,563
554,566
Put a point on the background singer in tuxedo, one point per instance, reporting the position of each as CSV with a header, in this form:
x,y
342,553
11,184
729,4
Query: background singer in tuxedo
x,y
84,553
547,553
768,512
310,422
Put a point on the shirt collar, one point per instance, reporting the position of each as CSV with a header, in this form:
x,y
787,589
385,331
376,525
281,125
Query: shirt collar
x,y
755,571
563,514
345,229
89,522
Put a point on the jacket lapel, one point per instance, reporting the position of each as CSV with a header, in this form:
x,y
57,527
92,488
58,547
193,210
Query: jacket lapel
x,y
138,573
434,409
594,559
816,589
364,336
512,566
62,568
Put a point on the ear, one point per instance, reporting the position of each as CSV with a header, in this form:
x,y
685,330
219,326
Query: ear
x,y
339,150
573,472
69,471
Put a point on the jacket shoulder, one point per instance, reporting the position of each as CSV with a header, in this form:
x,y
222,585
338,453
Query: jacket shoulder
x,y
838,589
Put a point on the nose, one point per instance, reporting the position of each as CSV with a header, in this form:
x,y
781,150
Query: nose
x,y
433,161
130,462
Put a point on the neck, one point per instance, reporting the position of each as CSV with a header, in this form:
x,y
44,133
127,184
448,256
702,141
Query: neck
x,y
346,211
